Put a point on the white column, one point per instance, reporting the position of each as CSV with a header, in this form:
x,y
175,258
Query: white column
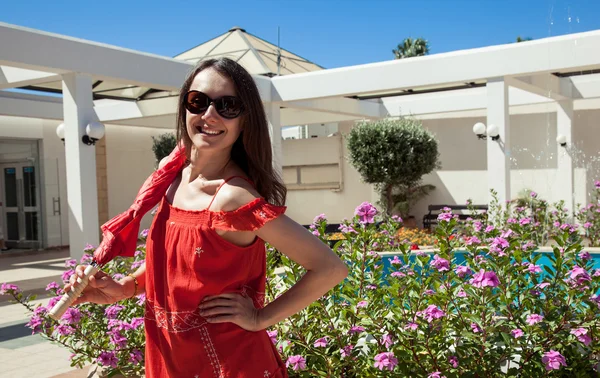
x,y
82,192
565,180
498,163
273,116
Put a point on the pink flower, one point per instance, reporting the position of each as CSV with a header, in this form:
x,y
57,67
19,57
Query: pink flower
x,y
362,304
397,218
371,287
587,225
347,229
553,360
436,374
53,286
533,194
144,233
141,299
445,217
67,274
597,184
429,292
453,360
356,329
321,343
118,339
320,218
470,240
108,359
432,312
8,288
112,311
499,242
475,327
483,279
273,336
64,330
347,350
395,261
579,275
534,319
582,335
524,221
461,294
385,361
136,357
489,229
86,258
398,274
516,333
387,341
442,265
71,316
72,263
462,271
534,269
412,326
366,213
585,255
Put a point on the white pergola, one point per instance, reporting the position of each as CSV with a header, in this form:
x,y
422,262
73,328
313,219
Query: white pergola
x,y
562,70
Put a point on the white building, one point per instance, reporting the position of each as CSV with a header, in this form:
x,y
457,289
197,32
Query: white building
x,y
57,194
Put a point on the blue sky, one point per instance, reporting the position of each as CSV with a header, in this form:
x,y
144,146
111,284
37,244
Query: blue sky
x,y
332,33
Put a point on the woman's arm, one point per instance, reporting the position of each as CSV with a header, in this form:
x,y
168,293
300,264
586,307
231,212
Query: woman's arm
x,y
324,269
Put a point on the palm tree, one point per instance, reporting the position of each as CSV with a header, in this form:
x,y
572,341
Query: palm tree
x,y
519,39
411,47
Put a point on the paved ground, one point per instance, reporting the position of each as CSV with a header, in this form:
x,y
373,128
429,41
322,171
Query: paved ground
x,y
23,354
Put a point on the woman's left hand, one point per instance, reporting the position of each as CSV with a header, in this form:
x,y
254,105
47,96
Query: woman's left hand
x,y
231,308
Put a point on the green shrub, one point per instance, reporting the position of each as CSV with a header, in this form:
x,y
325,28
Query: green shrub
x,y
163,145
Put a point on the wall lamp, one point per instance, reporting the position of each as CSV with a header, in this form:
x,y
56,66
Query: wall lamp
x,y
562,140
480,130
94,131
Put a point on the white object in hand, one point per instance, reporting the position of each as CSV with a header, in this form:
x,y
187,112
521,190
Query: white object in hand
x,y
67,299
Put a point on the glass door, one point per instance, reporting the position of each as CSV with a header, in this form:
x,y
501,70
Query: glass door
x,y
20,205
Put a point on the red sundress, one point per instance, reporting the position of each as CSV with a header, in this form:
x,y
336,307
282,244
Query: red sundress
x,y
187,260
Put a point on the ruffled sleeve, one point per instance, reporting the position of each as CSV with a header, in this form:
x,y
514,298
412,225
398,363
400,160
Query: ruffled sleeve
x,y
250,217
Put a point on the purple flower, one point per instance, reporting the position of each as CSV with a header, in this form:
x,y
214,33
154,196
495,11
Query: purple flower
x,y
597,184
64,330
356,329
371,287
533,194
499,243
35,323
67,274
395,261
587,225
366,212
296,362
397,218
320,218
71,316
86,258
144,233
516,333
511,221
136,357
432,312
136,322
483,279
52,286
72,263
524,221
489,228
112,311
553,360
385,361
585,255
52,302
445,217
461,293
442,265
534,269
579,275
543,285
347,229
387,341
137,264
108,359
398,274
472,240
273,336
412,326
453,360
436,374
321,343
347,350
582,335
118,339
141,299
475,327
534,319
429,292
8,288
462,271
362,304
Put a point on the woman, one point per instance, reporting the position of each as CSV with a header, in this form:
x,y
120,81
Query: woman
x,y
204,275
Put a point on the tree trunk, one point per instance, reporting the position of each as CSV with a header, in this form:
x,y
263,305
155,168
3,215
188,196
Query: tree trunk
x,y
389,198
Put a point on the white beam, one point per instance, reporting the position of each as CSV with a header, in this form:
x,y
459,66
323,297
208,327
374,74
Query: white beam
x,y
295,117
498,163
37,50
557,54
13,77
30,106
344,106
565,168
273,116
547,85
82,192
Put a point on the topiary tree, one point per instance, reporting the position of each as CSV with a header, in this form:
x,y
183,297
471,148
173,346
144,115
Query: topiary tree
x,y
163,145
394,154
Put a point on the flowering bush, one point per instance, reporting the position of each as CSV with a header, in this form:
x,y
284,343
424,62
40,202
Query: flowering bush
x,y
485,304
589,218
111,336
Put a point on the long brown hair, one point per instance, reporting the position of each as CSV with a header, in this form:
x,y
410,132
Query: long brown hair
x,y
252,150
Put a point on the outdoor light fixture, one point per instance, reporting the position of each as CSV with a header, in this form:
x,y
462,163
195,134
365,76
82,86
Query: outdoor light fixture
x,y
60,131
492,132
479,130
93,132
562,140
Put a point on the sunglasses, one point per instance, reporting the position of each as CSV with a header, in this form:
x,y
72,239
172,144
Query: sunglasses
x,y
228,107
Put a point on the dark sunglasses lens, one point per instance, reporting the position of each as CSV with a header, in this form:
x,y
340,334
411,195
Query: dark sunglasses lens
x,y
196,102
229,107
